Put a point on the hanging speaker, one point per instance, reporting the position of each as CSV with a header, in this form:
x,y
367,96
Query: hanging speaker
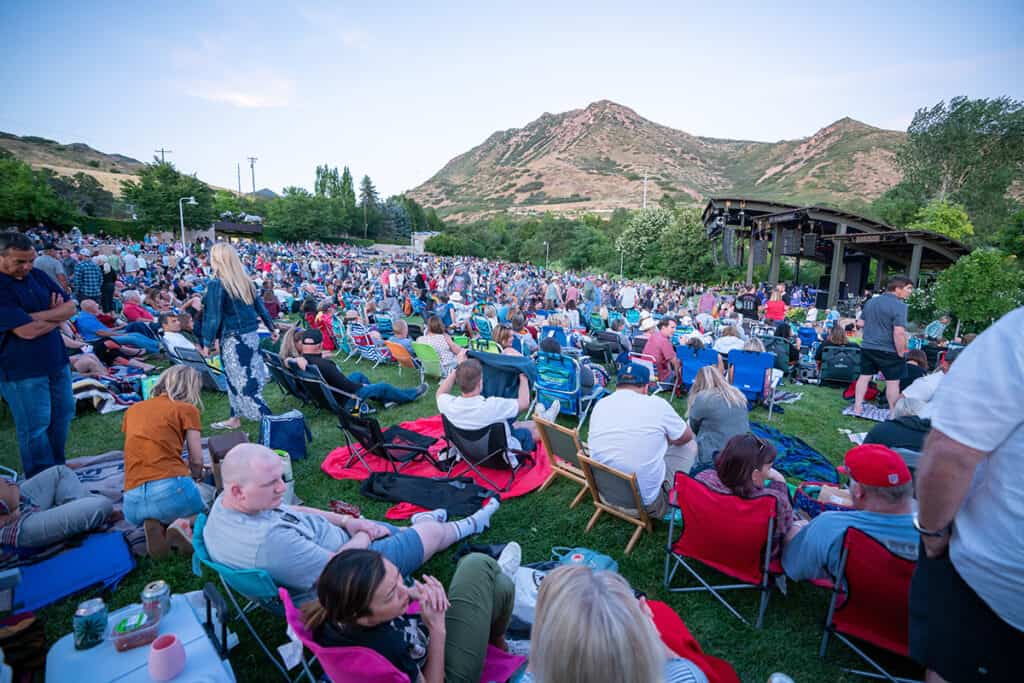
x,y
789,242
760,249
729,247
810,244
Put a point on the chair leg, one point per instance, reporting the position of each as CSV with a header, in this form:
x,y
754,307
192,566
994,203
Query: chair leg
x,y
766,595
633,539
594,518
579,497
547,482
240,613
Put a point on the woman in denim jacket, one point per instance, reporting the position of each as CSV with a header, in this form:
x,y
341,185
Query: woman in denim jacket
x,y
232,311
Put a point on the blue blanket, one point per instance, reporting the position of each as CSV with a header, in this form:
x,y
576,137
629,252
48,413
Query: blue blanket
x,y
795,458
100,559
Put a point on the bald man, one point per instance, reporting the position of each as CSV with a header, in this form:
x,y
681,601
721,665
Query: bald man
x,y
249,528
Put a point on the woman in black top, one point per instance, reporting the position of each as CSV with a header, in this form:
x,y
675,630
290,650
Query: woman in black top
x,y
916,368
363,601
836,337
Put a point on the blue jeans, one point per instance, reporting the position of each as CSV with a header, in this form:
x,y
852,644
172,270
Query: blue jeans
x,y
164,499
141,341
523,435
385,393
42,408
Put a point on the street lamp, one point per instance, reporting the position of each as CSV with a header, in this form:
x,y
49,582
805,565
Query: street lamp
x,y
181,215
621,255
547,254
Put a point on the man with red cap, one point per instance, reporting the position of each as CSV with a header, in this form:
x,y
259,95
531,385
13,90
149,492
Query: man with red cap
x,y
882,493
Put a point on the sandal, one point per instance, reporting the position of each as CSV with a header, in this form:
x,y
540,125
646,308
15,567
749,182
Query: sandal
x,y
224,424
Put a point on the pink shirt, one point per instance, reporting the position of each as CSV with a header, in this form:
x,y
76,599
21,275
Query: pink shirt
x,y
663,352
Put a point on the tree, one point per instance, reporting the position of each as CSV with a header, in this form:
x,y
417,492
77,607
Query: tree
x,y
639,239
684,253
156,196
297,215
27,197
1011,236
944,218
968,152
368,200
347,192
980,287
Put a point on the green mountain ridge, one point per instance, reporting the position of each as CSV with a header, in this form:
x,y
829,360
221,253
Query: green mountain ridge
x,y
594,160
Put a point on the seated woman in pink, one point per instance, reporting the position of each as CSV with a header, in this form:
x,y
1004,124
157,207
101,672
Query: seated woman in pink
x,y
744,468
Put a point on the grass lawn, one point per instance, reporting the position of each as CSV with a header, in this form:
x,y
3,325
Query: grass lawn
x,y
788,642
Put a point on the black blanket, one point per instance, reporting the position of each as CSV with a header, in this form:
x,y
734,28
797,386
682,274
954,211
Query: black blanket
x,y
460,496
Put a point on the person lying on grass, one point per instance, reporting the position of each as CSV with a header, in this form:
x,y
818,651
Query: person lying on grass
x,y
249,528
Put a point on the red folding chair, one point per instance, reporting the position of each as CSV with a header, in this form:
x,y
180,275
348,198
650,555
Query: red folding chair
x,y
870,601
725,532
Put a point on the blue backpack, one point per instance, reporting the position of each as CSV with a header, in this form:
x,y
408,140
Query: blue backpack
x,y
584,556
286,432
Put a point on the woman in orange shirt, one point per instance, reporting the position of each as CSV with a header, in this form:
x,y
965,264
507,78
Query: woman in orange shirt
x,y
159,487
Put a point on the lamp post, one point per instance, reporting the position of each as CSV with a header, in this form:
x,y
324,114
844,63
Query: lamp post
x,y
547,254
621,256
181,215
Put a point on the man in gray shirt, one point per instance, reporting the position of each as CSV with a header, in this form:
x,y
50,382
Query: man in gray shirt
x,y
885,340
47,263
248,528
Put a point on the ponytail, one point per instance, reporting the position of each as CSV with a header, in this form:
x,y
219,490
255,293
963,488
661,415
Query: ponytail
x,y
313,615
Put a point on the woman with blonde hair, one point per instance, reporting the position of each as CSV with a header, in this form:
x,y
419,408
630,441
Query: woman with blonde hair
x,y
232,311
158,486
613,637
716,411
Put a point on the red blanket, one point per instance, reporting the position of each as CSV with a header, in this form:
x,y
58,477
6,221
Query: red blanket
x,y
527,478
678,639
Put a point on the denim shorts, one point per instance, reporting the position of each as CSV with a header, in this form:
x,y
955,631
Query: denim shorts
x,y
403,548
164,499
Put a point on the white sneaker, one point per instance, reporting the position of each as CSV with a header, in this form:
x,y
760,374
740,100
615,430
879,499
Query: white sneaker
x,y
510,559
551,414
440,515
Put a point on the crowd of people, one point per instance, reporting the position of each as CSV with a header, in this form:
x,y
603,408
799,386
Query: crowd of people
x,y
83,304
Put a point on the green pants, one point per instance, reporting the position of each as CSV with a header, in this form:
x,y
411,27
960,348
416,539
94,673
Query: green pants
x,y
481,600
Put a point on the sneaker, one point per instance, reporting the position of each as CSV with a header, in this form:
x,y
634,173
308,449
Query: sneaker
x,y
439,515
551,414
510,559
389,405
421,389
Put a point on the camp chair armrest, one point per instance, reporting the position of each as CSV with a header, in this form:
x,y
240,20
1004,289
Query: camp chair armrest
x,y
410,448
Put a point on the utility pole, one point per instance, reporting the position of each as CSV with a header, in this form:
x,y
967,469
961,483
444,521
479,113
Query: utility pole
x,y
252,167
162,152
238,167
645,189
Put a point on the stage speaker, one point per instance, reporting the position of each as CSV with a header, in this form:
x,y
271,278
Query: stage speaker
x,y
760,248
789,242
821,298
857,276
729,247
810,247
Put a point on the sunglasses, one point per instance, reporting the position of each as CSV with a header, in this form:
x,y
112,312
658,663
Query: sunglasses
x,y
761,443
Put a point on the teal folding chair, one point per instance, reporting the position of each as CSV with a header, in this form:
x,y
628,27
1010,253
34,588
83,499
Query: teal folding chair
x,y
254,586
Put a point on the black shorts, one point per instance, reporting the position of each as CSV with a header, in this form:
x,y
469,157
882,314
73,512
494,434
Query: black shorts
x,y
888,363
954,632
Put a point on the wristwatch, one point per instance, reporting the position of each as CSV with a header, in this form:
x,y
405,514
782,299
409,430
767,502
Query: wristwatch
x,y
932,534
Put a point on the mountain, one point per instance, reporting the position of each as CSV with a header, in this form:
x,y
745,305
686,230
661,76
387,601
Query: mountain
x,y
594,159
109,169
267,193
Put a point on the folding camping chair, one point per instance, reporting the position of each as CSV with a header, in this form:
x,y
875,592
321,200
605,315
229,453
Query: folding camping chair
x,y
483,327
324,396
618,494
396,445
364,665
253,586
563,447
214,378
750,372
430,362
839,364
484,447
632,317
558,377
385,326
283,377
656,384
725,532
780,348
486,345
597,323
404,359
870,601
691,362
364,346
554,332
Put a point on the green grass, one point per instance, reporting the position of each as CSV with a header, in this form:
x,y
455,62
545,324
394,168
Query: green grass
x,y
788,642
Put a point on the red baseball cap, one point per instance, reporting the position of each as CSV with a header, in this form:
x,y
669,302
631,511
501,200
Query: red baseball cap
x,y
875,465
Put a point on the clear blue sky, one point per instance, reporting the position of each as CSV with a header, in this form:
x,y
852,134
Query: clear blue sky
x,y
394,90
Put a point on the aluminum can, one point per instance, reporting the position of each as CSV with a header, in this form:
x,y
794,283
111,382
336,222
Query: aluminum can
x,y
156,598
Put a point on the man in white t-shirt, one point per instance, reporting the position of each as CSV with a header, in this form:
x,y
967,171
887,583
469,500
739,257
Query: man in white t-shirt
x,y
634,432
170,324
473,410
627,297
966,602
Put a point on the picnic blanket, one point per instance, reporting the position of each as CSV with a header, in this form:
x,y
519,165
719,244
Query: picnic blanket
x,y
787,397
100,559
870,412
529,477
795,457
855,437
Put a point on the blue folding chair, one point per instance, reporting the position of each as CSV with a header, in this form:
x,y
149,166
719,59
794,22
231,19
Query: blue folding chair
x,y
254,586
558,377
632,317
385,325
556,333
483,327
597,323
691,362
808,336
749,372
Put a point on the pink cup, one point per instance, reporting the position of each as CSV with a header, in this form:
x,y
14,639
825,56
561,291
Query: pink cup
x,y
166,657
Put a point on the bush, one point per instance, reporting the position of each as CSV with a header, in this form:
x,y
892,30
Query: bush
x,y
93,226
980,288
530,187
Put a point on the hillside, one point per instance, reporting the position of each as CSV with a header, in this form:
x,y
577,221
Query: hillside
x,y
594,159
109,169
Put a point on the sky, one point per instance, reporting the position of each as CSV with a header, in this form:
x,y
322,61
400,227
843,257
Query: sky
x,y
395,90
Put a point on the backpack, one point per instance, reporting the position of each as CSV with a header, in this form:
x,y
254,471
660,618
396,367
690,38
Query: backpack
x,y
585,556
286,432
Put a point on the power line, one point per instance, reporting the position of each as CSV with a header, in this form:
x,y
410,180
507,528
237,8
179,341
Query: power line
x,y
252,167
162,152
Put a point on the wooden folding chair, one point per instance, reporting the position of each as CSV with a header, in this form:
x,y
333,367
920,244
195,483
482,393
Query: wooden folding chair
x,y
563,445
618,494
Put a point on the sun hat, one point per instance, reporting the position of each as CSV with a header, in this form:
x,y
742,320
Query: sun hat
x,y
647,324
